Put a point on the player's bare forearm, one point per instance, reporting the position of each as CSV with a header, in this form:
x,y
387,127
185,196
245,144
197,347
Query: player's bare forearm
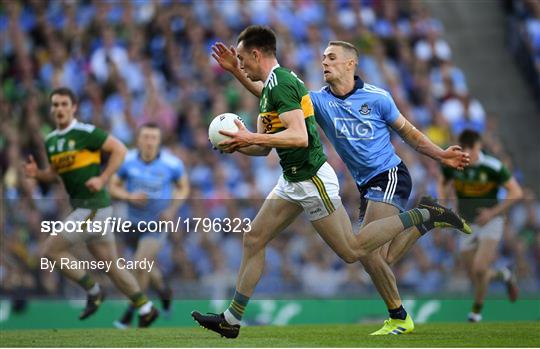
x,y
417,140
514,194
180,194
294,136
452,156
117,189
289,138
118,152
255,87
255,150
46,176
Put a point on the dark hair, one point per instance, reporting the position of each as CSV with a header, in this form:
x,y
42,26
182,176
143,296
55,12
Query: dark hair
x,y
468,138
64,91
256,36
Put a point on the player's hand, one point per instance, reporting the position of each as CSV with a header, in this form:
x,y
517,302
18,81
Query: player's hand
x,y
238,139
226,57
138,199
454,157
30,167
484,216
95,184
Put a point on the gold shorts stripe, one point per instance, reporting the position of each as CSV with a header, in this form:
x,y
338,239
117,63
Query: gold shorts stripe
x,y
324,195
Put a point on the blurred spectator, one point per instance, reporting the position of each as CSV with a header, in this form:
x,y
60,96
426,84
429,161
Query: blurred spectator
x,y
134,62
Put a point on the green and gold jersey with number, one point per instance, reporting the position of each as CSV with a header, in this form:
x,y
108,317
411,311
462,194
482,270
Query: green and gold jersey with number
x,y
74,153
477,186
283,91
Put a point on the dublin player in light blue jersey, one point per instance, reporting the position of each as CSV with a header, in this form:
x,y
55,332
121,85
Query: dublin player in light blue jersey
x,y
154,183
357,117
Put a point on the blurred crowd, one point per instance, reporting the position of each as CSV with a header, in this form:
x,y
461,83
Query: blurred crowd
x,y
524,33
149,60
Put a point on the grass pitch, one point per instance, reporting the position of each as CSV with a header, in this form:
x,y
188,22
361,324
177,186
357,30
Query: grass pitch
x,y
495,334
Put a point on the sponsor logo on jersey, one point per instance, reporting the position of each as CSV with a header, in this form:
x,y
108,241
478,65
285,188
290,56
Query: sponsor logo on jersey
x,y
353,129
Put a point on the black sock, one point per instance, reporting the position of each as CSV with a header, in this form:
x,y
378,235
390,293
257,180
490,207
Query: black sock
x,y
398,313
477,308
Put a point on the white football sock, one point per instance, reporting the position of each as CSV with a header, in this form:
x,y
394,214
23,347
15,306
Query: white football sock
x,y
94,291
230,318
145,308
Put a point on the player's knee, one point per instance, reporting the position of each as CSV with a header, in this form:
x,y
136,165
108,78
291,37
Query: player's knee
x,y
390,259
351,256
479,270
251,242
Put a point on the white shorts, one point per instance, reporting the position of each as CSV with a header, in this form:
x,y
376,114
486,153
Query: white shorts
x,y
493,230
93,231
318,196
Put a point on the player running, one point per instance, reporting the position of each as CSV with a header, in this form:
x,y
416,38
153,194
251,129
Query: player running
x,y
308,182
154,183
477,188
356,117
73,150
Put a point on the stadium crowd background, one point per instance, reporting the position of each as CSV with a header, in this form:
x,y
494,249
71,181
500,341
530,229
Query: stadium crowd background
x,y
136,61
524,33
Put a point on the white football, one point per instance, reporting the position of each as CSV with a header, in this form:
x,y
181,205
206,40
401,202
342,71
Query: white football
x,y
222,122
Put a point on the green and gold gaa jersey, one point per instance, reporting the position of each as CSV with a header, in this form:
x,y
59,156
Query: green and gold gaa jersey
x,y
74,153
477,186
283,92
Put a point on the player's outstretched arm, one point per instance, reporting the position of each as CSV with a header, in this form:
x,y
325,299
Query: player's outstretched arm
x,y
226,57
118,191
514,193
452,156
118,152
179,195
31,170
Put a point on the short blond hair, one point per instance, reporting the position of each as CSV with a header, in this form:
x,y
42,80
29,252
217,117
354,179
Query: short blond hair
x,y
349,48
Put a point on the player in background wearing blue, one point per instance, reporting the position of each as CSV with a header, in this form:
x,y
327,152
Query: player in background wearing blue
x,y
154,183
357,117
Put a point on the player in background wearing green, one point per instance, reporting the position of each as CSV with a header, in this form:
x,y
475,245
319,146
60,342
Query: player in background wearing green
x,y
73,150
477,187
308,183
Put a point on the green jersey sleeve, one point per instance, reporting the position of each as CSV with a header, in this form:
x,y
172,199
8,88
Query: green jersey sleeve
x,y
285,97
96,138
448,173
503,175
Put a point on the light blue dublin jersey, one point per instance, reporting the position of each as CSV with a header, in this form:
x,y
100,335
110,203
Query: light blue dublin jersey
x,y
156,178
357,125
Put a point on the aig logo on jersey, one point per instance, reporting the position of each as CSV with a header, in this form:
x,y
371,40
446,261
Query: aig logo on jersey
x,y
353,129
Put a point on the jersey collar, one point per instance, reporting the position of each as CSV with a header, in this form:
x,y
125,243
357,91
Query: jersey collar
x,y
481,158
270,74
158,155
67,129
358,84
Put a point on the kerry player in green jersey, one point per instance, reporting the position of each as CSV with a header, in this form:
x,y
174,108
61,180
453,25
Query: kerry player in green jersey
x,y
308,183
74,152
477,187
